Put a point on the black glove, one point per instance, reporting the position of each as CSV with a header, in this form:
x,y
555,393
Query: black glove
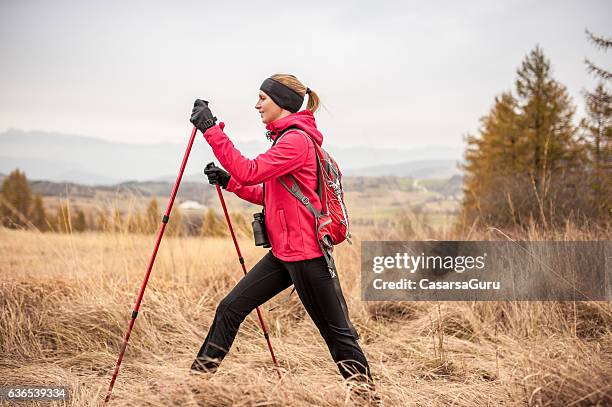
x,y
201,116
216,175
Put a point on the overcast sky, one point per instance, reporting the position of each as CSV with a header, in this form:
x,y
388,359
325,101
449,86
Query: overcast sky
x,y
391,73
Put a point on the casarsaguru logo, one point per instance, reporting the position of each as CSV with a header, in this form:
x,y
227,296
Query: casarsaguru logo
x,y
426,284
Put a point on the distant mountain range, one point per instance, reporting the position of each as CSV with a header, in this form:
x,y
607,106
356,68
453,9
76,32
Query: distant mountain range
x,y
92,161
421,169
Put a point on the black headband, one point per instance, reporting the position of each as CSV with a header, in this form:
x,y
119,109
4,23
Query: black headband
x,y
282,95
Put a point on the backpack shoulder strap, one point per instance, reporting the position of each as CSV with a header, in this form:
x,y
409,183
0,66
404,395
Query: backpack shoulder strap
x,y
285,131
297,192
319,189
295,188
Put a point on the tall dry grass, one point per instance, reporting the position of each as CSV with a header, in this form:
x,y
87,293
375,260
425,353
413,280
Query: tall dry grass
x,y
65,301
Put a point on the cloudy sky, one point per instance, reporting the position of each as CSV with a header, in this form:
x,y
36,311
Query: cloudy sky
x,y
406,74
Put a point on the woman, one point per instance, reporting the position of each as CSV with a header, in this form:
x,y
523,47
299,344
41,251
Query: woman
x,y
295,257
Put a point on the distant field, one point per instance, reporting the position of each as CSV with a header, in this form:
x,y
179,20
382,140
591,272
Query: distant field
x,y
370,201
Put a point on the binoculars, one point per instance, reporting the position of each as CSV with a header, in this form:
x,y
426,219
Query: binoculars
x,y
260,233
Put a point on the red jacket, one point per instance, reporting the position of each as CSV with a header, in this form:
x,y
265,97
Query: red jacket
x,y
291,227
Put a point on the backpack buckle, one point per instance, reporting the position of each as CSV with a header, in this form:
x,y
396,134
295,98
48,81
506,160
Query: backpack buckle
x,y
305,200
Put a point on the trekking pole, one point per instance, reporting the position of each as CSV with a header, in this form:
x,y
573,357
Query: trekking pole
x,y
241,260
160,233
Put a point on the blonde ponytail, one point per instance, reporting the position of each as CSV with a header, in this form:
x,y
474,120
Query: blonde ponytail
x,y
293,83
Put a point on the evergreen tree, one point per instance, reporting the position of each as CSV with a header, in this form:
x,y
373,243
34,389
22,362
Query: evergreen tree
x,y
526,161
16,200
603,44
494,158
598,131
79,224
598,126
38,215
546,116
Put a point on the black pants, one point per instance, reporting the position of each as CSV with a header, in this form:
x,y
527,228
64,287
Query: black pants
x,y
318,291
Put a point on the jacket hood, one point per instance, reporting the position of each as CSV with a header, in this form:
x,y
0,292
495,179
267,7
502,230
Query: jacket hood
x,y
304,120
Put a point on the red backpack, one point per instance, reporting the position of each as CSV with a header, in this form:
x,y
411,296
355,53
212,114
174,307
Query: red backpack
x,y
332,222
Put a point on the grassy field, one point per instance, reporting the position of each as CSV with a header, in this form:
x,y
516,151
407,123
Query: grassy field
x,y
66,299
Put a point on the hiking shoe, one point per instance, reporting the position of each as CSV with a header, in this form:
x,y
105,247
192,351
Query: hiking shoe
x,y
204,365
366,393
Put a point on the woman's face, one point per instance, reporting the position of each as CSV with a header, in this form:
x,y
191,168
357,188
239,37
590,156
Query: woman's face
x,y
268,110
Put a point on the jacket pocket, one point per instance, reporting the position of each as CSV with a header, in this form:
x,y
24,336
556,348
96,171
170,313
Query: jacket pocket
x,y
284,229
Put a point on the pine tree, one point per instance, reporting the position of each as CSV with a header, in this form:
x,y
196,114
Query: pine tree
x,y
38,215
79,223
494,160
546,116
598,126
16,200
604,44
598,131
526,161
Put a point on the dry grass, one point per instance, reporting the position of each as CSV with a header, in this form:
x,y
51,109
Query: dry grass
x,y
65,301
